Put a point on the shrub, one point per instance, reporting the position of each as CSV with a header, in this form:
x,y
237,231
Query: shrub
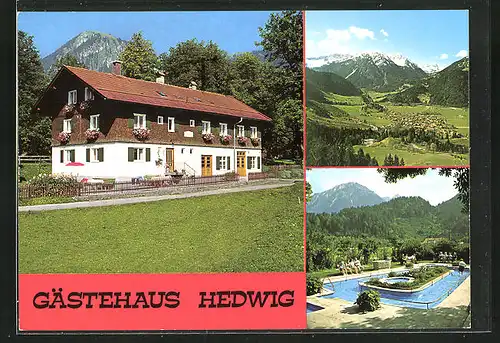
x,y
409,264
368,301
314,285
44,185
392,274
285,174
231,176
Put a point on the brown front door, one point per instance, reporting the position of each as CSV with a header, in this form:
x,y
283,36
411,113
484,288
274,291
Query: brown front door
x,y
206,165
241,163
169,159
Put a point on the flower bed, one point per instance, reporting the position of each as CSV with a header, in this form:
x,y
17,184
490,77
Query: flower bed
x,y
421,276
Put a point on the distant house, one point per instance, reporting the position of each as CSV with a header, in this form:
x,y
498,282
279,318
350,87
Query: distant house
x,y
116,126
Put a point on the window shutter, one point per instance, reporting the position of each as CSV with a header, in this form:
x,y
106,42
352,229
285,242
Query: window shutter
x,y
130,123
217,163
229,131
69,98
62,126
87,153
177,127
71,124
259,134
258,162
248,162
216,131
148,154
148,124
62,156
72,155
200,129
100,154
228,163
131,154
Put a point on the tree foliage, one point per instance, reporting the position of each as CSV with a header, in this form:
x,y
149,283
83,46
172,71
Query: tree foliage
x,y
139,60
68,60
34,130
204,63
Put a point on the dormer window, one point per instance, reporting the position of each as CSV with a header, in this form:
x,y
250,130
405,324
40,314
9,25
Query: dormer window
x,y
205,127
139,121
88,94
171,124
72,97
94,122
67,125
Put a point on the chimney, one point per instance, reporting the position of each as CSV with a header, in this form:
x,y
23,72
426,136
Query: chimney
x,y
192,85
117,67
160,77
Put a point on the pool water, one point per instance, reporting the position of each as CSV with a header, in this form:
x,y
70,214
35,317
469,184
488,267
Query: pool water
x,y
430,297
313,308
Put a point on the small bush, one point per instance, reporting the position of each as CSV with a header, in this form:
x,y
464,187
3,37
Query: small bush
x,y
368,301
409,264
47,185
314,285
285,174
231,176
392,274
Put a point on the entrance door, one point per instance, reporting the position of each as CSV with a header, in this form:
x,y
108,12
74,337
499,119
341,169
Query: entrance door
x,y
169,158
206,165
241,163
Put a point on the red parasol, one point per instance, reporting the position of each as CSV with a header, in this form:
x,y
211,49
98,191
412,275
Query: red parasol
x,y
74,164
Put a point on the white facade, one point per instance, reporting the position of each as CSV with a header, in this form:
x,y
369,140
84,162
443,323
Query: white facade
x,y
115,160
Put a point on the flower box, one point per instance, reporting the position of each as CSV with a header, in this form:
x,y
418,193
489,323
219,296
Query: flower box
x,y
242,140
68,108
64,137
226,139
141,134
208,137
84,105
255,141
92,135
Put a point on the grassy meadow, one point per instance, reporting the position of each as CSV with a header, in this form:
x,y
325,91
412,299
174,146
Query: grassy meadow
x,y
257,231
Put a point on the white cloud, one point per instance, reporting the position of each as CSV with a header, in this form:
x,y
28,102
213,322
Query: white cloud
x,y
462,53
443,56
335,42
361,33
384,32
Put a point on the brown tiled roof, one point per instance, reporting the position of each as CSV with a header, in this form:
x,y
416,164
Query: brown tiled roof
x,y
121,88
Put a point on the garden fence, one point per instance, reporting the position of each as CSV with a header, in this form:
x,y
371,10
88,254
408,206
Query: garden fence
x,y
31,191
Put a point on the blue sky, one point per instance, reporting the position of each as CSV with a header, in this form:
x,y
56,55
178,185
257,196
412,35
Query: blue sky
x,y
232,31
425,37
431,187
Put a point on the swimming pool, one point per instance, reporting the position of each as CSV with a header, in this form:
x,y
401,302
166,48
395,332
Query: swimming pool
x,y
313,308
429,297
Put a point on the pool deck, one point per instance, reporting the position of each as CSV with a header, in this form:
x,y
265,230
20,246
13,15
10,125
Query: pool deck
x,y
337,311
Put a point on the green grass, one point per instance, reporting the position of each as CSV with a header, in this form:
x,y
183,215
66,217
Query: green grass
x,y
351,100
30,170
239,232
45,200
336,272
414,158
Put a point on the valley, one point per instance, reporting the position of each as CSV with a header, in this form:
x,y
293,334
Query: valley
x,y
421,118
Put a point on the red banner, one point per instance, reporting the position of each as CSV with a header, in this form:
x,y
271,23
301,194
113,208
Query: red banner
x,y
92,302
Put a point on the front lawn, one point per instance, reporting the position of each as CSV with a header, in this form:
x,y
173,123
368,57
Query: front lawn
x,y
254,231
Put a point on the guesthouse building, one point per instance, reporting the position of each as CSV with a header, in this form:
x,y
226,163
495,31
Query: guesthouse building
x,y
106,125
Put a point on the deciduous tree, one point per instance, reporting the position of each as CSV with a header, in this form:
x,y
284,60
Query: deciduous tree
x,y
139,59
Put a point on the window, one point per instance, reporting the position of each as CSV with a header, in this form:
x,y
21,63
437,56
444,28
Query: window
x,y
72,97
139,121
190,151
171,124
205,127
160,120
182,150
88,94
241,131
253,132
70,156
223,163
96,155
67,125
191,123
223,129
139,154
94,122
252,162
